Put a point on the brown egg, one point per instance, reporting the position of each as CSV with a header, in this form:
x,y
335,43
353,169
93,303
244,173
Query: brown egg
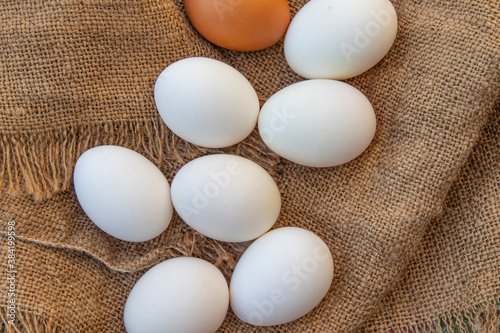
x,y
241,25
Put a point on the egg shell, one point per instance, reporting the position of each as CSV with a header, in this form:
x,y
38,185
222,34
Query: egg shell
x,y
318,123
238,24
332,39
123,193
206,102
226,197
184,294
280,277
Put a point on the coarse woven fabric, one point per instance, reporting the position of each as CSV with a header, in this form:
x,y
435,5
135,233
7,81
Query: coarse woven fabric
x,y
413,223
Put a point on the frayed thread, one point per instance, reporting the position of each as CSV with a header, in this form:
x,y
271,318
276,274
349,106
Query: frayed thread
x,y
483,318
26,322
41,164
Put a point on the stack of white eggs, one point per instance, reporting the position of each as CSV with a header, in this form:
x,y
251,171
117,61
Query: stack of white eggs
x,y
319,122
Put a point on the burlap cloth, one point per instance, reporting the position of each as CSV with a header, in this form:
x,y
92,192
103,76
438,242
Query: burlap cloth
x,y
413,223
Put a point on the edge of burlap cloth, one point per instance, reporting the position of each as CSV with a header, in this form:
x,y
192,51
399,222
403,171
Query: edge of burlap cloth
x,y
25,170
30,323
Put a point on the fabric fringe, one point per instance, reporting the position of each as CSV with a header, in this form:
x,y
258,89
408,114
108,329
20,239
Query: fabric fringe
x,y
26,322
483,318
42,164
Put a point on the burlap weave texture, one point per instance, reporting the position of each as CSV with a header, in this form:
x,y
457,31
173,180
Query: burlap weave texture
x,y
413,223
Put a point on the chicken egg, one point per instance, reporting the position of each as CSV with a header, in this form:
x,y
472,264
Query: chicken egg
x,y
240,25
206,102
318,123
123,193
226,197
332,39
184,294
280,277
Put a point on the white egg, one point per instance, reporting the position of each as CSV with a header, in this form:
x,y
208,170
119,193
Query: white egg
x,y
318,123
281,276
123,193
332,39
226,197
185,294
206,102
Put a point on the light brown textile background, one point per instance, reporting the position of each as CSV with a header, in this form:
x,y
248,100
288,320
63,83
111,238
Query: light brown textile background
x,y
413,223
